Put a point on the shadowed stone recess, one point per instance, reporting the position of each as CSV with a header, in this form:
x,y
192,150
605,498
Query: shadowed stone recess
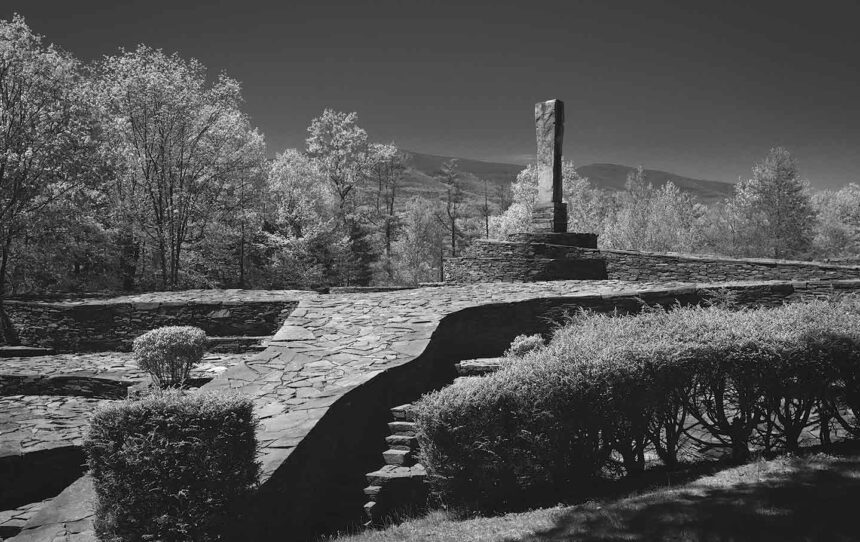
x,y
86,325
324,402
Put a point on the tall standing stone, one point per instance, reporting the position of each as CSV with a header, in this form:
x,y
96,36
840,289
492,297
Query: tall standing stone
x,y
550,213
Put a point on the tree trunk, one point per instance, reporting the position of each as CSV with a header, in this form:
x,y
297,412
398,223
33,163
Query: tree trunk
x,y
7,333
129,253
4,260
242,258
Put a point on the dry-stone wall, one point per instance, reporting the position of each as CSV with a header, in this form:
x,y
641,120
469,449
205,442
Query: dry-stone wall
x,y
531,260
112,324
636,266
529,257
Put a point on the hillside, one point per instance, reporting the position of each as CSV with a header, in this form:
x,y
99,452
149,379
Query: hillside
x,y
423,168
613,177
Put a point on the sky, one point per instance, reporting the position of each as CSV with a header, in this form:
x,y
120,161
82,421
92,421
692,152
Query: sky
x,y
698,88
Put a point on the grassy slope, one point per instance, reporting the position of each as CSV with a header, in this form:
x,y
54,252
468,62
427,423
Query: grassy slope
x,y
789,498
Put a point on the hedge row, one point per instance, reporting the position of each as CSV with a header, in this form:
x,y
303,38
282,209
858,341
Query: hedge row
x,y
171,466
606,389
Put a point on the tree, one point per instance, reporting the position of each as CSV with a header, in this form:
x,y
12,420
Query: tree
x,y
340,147
646,218
46,133
452,197
485,209
386,165
775,208
421,238
179,143
301,241
582,200
837,233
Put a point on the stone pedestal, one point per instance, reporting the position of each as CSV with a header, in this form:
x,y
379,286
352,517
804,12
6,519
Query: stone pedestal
x,y
550,217
529,257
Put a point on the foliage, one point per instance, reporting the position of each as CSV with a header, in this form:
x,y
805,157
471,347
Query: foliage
x,y
386,165
340,147
608,388
452,212
47,150
168,353
774,209
652,219
185,153
523,344
587,206
171,466
838,227
419,247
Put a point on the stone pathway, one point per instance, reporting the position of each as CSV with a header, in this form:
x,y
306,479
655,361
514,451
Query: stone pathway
x,y
118,365
333,343
32,423
11,521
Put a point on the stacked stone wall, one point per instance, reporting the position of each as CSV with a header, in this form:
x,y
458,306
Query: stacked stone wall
x,y
105,325
648,266
529,261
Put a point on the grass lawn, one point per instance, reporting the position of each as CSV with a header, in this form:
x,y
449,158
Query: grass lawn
x,y
812,497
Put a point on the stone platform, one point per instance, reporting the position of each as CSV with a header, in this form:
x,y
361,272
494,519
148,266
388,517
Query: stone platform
x,y
529,257
324,387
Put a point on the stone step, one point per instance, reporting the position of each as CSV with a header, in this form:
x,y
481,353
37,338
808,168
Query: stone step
x,y
397,495
569,239
402,428
478,367
402,458
402,442
391,473
404,412
372,491
490,248
237,344
368,510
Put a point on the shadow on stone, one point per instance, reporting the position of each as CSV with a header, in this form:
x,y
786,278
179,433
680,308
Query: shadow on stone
x,y
36,476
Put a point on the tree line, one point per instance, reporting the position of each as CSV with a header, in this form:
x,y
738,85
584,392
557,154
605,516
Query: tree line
x,y
140,172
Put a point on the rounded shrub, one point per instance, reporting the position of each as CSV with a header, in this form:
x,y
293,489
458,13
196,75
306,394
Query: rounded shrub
x,y
172,466
168,353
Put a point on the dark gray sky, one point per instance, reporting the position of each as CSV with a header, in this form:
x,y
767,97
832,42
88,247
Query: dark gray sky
x,y
699,88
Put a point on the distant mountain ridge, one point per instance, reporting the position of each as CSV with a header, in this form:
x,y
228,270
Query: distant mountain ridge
x,y
423,168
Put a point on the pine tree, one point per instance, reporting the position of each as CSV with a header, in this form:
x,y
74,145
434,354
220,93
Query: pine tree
x,y
776,210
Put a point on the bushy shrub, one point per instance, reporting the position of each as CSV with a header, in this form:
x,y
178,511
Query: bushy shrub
x,y
168,353
523,344
606,389
170,466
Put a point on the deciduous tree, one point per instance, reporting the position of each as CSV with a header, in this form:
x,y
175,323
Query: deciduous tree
x,y
46,133
180,142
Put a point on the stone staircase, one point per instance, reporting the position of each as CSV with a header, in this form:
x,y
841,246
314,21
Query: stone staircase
x,y
399,487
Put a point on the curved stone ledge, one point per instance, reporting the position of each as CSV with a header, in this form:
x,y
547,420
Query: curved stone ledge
x,y
323,387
